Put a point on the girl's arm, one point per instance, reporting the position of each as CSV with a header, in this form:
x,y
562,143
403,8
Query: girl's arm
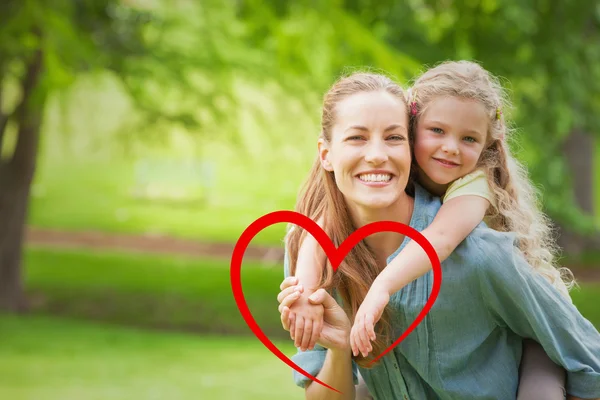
x,y
452,224
307,319
455,220
311,261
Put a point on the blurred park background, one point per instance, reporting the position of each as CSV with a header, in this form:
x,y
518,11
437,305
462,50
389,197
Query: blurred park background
x,y
139,138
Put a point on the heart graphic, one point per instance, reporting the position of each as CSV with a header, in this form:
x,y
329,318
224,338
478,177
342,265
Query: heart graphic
x,y
336,256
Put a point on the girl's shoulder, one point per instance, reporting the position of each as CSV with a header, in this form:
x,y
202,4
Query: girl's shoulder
x,y
473,184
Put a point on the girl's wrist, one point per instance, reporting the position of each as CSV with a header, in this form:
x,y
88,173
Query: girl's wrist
x,y
381,286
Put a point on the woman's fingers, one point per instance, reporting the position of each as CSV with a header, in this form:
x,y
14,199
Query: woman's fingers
x,y
308,328
287,291
292,325
285,318
289,300
317,326
299,330
289,281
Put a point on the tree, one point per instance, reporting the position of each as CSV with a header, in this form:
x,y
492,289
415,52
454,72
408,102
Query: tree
x,y
184,53
46,44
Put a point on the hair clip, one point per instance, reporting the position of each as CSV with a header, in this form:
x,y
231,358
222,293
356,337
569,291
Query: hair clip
x,y
498,113
413,103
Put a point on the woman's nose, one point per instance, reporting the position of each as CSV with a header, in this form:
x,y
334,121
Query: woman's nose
x,y
376,153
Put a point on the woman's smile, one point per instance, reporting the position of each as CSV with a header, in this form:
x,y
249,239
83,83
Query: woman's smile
x,y
376,178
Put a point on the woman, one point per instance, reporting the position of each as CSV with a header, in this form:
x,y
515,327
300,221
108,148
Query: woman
x,y
490,298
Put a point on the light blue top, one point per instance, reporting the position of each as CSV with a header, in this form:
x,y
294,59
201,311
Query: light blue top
x,y
469,345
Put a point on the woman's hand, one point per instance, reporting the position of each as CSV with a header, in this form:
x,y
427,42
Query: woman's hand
x,y
336,325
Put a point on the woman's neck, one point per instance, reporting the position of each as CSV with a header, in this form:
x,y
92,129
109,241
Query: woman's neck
x,y
384,243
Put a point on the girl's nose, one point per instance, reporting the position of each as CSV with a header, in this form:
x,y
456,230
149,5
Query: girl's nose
x,y
450,148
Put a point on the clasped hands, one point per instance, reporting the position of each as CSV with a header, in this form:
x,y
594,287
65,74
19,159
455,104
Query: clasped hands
x,y
314,317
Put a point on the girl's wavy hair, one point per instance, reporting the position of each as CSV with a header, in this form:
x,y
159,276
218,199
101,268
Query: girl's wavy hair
x,y
321,200
518,208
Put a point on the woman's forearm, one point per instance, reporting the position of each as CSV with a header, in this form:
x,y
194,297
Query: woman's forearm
x,y
336,372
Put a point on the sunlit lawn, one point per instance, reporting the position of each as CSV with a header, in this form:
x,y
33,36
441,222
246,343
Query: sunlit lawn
x,y
148,290
101,197
46,358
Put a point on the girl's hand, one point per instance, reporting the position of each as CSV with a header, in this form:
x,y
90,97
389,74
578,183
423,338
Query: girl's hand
x,y
305,320
308,321
369,312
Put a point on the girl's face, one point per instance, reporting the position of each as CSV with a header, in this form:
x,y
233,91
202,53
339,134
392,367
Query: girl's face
x,y
450,136
369,152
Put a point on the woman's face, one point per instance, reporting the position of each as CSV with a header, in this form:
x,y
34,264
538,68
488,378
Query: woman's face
x,y
369,151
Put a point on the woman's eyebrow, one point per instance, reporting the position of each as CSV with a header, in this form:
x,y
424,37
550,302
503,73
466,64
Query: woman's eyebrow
x,y
393,126
365,129
357,127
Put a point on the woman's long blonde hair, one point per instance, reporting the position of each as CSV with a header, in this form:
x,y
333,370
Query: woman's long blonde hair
x,y
320,199
518,209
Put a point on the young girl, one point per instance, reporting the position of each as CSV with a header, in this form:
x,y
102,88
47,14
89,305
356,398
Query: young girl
x,y
461,155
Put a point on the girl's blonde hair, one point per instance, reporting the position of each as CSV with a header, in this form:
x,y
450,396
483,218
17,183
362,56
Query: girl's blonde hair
x,y
518,208
321,199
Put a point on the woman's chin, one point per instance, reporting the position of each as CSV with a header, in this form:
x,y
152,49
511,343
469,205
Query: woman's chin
x,y
377,202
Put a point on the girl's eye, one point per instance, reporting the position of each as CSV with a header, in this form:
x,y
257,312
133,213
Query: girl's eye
x,y
437,130
470,139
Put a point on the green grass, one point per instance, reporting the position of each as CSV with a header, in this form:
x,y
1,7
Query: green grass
x,y
147,290
53,358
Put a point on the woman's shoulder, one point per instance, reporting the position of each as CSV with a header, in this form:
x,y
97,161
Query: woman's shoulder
x,y
495,253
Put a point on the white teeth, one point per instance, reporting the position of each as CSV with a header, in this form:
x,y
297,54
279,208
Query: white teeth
x,y
375,177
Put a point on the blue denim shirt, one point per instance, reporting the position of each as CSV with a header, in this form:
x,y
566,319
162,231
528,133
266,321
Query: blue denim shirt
x,y
469,345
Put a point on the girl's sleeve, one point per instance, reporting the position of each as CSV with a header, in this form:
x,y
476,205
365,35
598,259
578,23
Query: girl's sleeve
x,y
310,360
473,184
522,300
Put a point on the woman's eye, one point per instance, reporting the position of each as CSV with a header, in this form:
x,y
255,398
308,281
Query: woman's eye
x,y
354,137
437,130
470,139
397,137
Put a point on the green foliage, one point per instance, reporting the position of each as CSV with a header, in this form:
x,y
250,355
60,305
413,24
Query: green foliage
x,y
187,66
546,49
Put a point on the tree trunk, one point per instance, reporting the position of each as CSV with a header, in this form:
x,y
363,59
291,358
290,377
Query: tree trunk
x,y
14,195
578,151
16,175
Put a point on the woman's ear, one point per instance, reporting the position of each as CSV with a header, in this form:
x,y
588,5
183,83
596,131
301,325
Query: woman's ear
x,y
324,155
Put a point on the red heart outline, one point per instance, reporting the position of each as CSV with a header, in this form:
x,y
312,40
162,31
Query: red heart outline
x,y
336,256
